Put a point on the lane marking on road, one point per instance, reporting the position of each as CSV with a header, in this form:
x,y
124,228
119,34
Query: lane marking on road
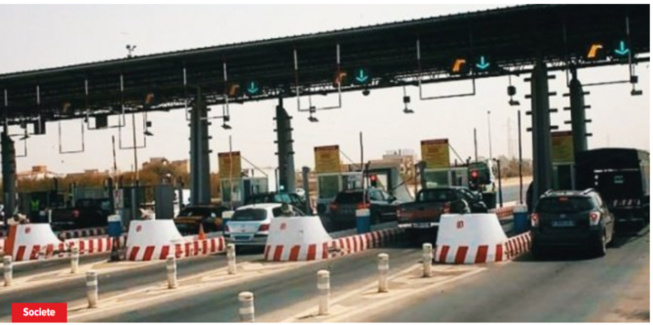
x,y
199,283
399,289
63,274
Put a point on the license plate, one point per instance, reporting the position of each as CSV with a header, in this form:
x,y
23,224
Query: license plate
x,y
241,238
562,223
422,225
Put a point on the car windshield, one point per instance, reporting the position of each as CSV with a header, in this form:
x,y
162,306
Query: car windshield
x,y
349,197
437,196
249,215
564,204
197,212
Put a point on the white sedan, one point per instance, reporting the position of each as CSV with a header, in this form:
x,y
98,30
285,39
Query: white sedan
x,y
250,224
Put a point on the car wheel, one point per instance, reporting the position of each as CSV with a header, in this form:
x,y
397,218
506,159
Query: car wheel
x,y
536,252
376,218
601,246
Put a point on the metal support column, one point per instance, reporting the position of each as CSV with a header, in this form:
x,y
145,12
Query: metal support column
x,y
541,126
285,152
8,174
305,174
578,128
200,172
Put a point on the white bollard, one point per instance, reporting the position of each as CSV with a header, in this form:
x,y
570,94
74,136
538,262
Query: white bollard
x,y
74,259
384,267
427,259
246,309
91,289
8,269
324,289
171,269
231,259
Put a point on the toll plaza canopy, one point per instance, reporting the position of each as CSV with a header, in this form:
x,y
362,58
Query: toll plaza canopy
x,y
461,46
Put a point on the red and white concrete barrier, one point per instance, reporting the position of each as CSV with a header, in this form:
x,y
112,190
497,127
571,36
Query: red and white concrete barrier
x,y
156,239
469,239
518,245
304,239
32,242
504,213
80,233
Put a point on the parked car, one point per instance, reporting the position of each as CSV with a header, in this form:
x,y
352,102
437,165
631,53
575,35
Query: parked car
x,y
209,216
87,213
571,218
473,199
249,225
421,218
275,197
342,211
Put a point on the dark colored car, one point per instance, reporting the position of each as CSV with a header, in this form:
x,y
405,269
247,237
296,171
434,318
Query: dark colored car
x,y
87,213
421,219
342,211
474,200
571,218
209,216
274,197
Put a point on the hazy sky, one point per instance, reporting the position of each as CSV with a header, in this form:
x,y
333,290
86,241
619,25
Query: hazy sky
x,y
39,36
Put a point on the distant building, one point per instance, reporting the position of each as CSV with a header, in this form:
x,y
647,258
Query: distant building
x,y
91,172
181,164
38,172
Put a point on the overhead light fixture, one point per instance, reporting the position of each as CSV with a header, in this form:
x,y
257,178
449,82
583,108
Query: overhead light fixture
x,y
311,111
406,101
512,102
512,91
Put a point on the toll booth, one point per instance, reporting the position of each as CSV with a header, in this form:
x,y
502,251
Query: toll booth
x,y
563,176
330,184
453,176
241,189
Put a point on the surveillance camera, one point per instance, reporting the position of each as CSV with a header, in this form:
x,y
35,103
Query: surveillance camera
x,y
408,111
313,119
366,92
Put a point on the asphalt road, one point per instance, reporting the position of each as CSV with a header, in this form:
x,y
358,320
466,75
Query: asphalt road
x,y
35,267
511,193
112,283
568,287
272,294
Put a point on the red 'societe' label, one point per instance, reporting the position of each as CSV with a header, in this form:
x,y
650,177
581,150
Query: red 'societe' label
x,y
39,312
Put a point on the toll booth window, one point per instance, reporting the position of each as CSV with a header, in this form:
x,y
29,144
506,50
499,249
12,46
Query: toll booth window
x,y
328,186
352,182
436,178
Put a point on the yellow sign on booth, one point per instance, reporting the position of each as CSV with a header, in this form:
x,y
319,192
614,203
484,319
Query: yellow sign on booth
x,y
436,153
562,144
327,159
229,165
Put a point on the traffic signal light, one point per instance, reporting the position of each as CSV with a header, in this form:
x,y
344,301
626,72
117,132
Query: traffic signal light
x,y
373,180
474,180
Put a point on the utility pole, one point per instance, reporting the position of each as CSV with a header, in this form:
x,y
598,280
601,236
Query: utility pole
x,y
521,181
489,133
475,147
